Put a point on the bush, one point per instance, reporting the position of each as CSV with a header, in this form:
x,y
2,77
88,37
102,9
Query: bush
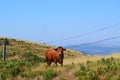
x,y
32,59
107,69
14,67
11,68
70,66
49,74
29,74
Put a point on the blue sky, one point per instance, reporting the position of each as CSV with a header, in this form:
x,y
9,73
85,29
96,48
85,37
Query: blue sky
x,y
48,20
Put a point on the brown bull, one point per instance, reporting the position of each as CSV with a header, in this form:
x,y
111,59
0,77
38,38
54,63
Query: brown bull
x,y
54,55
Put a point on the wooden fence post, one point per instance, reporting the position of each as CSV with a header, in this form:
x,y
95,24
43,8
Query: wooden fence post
x,y
4,51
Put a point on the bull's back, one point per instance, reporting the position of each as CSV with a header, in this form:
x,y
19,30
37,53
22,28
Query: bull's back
x,y
51,54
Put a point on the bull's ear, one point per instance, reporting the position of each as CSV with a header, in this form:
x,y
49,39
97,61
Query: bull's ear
x,y
55,49
64,48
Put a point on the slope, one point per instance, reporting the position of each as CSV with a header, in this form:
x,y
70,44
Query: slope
x,y
25,61
18,47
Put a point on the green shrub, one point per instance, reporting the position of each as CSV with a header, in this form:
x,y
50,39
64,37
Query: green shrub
x,y
32,59
89,62
2,77
82,67
29,74
11,68
14,67
70,66
49,74
24,75
107,69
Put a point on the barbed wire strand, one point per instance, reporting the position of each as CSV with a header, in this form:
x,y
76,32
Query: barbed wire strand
x,y
85,34
96,41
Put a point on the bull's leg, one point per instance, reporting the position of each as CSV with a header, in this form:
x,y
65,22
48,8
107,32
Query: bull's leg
x,y
48,62
55,61
61,62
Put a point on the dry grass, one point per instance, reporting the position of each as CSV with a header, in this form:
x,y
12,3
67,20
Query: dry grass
x,y
67,71
115,55
67,74
81,59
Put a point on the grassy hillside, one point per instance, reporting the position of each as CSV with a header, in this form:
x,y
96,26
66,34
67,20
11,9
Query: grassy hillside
x,y
25,61
18,47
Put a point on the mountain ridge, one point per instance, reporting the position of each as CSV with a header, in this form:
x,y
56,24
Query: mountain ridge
x,y
96,49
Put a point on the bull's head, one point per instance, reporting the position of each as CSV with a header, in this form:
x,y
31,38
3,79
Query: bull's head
x,y
60,50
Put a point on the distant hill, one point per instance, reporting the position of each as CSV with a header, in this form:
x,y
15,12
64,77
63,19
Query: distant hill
x,y
96,49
